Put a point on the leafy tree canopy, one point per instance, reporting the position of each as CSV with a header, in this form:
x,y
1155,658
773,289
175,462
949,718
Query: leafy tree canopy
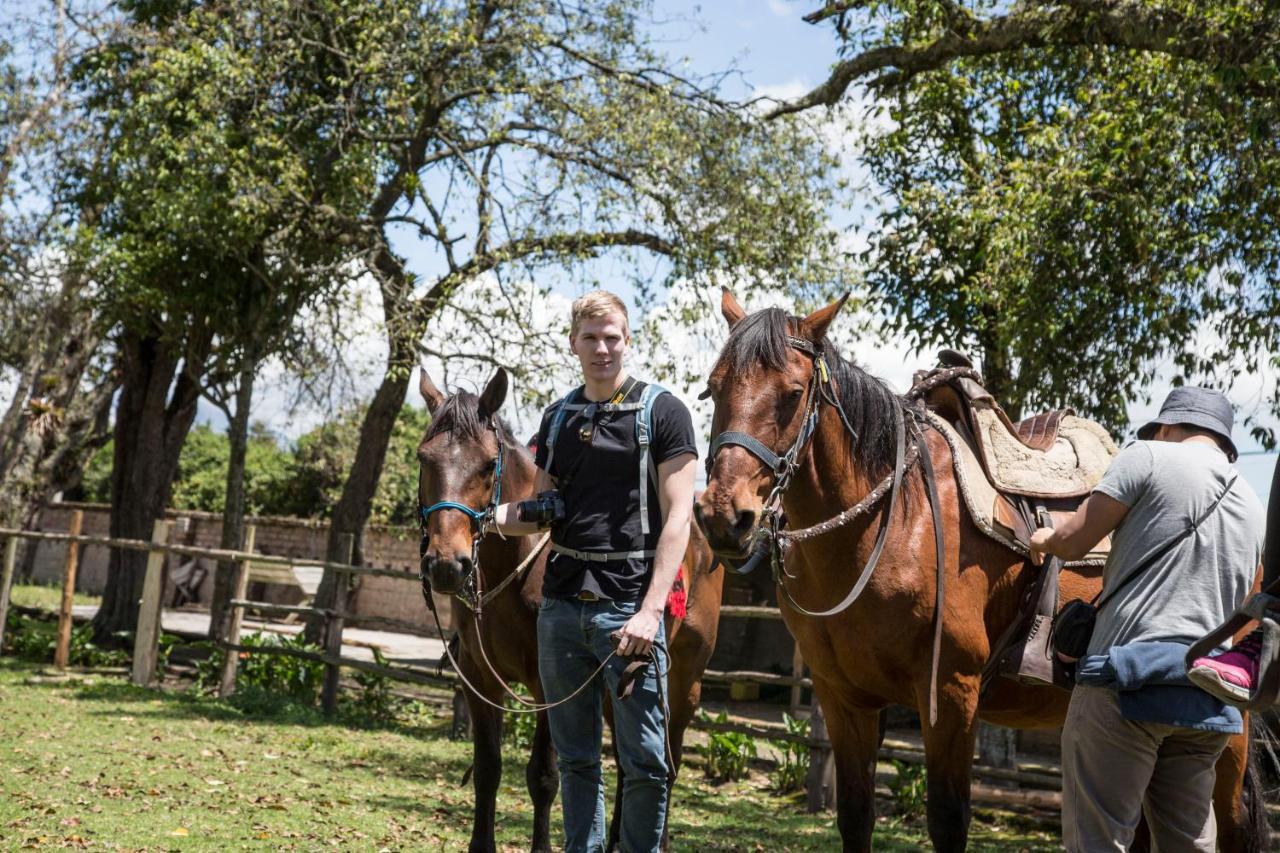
x,y
302,480
1080,192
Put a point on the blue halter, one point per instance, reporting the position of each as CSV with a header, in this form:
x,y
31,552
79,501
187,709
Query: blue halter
x,y
476,515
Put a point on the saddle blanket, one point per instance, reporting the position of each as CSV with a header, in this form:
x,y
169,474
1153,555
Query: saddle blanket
x,y
1069,467
983,500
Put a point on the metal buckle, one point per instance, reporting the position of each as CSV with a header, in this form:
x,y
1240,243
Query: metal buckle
x,y
587,595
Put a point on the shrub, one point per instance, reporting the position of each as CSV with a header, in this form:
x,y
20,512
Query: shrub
x,y
373,704
35,639
729,754
518,728
794,766
908,789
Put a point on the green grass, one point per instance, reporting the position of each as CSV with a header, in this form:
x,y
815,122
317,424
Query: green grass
x,y
45,597
93,761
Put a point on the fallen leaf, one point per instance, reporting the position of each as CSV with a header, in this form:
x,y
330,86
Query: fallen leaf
x,y
182,830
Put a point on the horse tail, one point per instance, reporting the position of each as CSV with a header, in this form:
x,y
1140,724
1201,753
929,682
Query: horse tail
x,y
1262,745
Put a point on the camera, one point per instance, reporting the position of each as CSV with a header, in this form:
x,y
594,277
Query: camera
x,y
544,510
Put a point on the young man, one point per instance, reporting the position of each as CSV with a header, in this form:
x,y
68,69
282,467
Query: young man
x,y
1186,544
615,555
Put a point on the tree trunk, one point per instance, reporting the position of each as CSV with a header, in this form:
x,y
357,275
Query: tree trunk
x,y
997,366
351,513
158,400
54,420
234,509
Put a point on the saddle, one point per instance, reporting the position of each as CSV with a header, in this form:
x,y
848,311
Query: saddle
x,y
1011,472
1015,477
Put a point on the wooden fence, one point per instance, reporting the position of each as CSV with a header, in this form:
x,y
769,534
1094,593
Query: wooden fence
x,y
820,784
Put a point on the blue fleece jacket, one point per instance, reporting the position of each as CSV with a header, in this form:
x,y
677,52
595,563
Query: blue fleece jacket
x,y
1151,680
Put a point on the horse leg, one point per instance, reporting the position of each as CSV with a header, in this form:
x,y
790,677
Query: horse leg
x,y
614,841
948,749
1242,826
486,742
615,823
855,739
543,780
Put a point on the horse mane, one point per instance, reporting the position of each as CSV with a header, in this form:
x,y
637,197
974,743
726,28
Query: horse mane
x,y
761,339
460,413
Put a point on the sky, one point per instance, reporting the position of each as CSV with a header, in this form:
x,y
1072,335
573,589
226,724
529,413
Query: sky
x,y
776,54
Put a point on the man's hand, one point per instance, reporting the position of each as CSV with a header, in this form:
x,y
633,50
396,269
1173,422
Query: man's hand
x,y
1077,534
1040,543
638,634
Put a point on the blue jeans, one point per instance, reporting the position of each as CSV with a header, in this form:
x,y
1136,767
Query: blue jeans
x,y
573,638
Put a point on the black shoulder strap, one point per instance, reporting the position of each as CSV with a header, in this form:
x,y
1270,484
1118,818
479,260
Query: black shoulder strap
x,y
1164,549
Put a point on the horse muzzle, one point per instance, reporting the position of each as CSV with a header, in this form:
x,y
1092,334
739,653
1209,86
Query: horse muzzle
x,y
446,575
727,528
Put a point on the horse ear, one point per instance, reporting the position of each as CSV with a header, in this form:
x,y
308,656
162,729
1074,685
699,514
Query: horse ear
x,y
729,307
430,393
814,327
495,394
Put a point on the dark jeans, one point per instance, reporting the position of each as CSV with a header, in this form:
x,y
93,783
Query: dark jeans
x,y
573,638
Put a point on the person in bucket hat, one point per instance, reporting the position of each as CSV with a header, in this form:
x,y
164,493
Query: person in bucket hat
x,y
1195,409
1186,542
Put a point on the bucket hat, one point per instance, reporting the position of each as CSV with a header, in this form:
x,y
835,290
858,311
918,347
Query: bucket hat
x,y
1199,407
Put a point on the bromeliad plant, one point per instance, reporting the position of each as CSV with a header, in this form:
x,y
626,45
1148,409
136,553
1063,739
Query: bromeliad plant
x,y
793,764
728,754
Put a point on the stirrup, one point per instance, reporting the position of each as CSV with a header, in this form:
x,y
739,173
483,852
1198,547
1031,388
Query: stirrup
x,y
1264,609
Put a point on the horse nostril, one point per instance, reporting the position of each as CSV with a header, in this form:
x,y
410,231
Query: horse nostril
x,y
464,562
745,520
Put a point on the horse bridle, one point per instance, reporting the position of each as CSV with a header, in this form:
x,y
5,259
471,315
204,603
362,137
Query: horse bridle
x,y
469,593
769,539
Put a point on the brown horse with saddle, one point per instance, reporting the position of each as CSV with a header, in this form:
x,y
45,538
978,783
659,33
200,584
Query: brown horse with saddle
x,y
896,528
470,458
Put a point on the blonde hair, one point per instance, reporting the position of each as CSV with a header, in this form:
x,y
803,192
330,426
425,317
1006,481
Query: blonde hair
x,y
597,303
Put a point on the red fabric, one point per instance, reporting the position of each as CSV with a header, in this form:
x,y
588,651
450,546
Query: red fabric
x,y
678,599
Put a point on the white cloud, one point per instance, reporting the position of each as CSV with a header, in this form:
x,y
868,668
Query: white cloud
x,y
781,8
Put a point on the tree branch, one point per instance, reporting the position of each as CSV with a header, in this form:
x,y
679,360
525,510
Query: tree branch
x,y
1104,23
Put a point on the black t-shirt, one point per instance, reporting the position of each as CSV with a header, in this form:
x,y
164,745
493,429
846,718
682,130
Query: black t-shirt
x,y
602,495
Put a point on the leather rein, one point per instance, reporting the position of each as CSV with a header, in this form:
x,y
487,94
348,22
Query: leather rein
x,y
772,540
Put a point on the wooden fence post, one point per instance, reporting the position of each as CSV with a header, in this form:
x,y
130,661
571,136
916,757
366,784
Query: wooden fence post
x,y
820,783
146,639
797,672
62,651
240,587
6,581
333,630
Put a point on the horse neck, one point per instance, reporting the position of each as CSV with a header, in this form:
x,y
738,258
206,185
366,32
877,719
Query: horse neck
x,y
828,483
500,556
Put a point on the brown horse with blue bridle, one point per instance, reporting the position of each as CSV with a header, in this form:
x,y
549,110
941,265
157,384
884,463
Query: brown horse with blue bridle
x,y
892,592
469,461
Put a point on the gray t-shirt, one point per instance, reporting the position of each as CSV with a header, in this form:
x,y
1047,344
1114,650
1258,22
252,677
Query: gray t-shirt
x,y
1194,587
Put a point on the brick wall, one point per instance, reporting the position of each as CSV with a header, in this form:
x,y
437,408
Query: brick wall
x,y
384,547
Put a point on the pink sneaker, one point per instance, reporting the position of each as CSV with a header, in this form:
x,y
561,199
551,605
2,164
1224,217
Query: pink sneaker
x,y
1231,675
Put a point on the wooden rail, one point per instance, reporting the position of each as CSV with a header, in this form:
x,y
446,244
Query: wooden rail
x,y
820,783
